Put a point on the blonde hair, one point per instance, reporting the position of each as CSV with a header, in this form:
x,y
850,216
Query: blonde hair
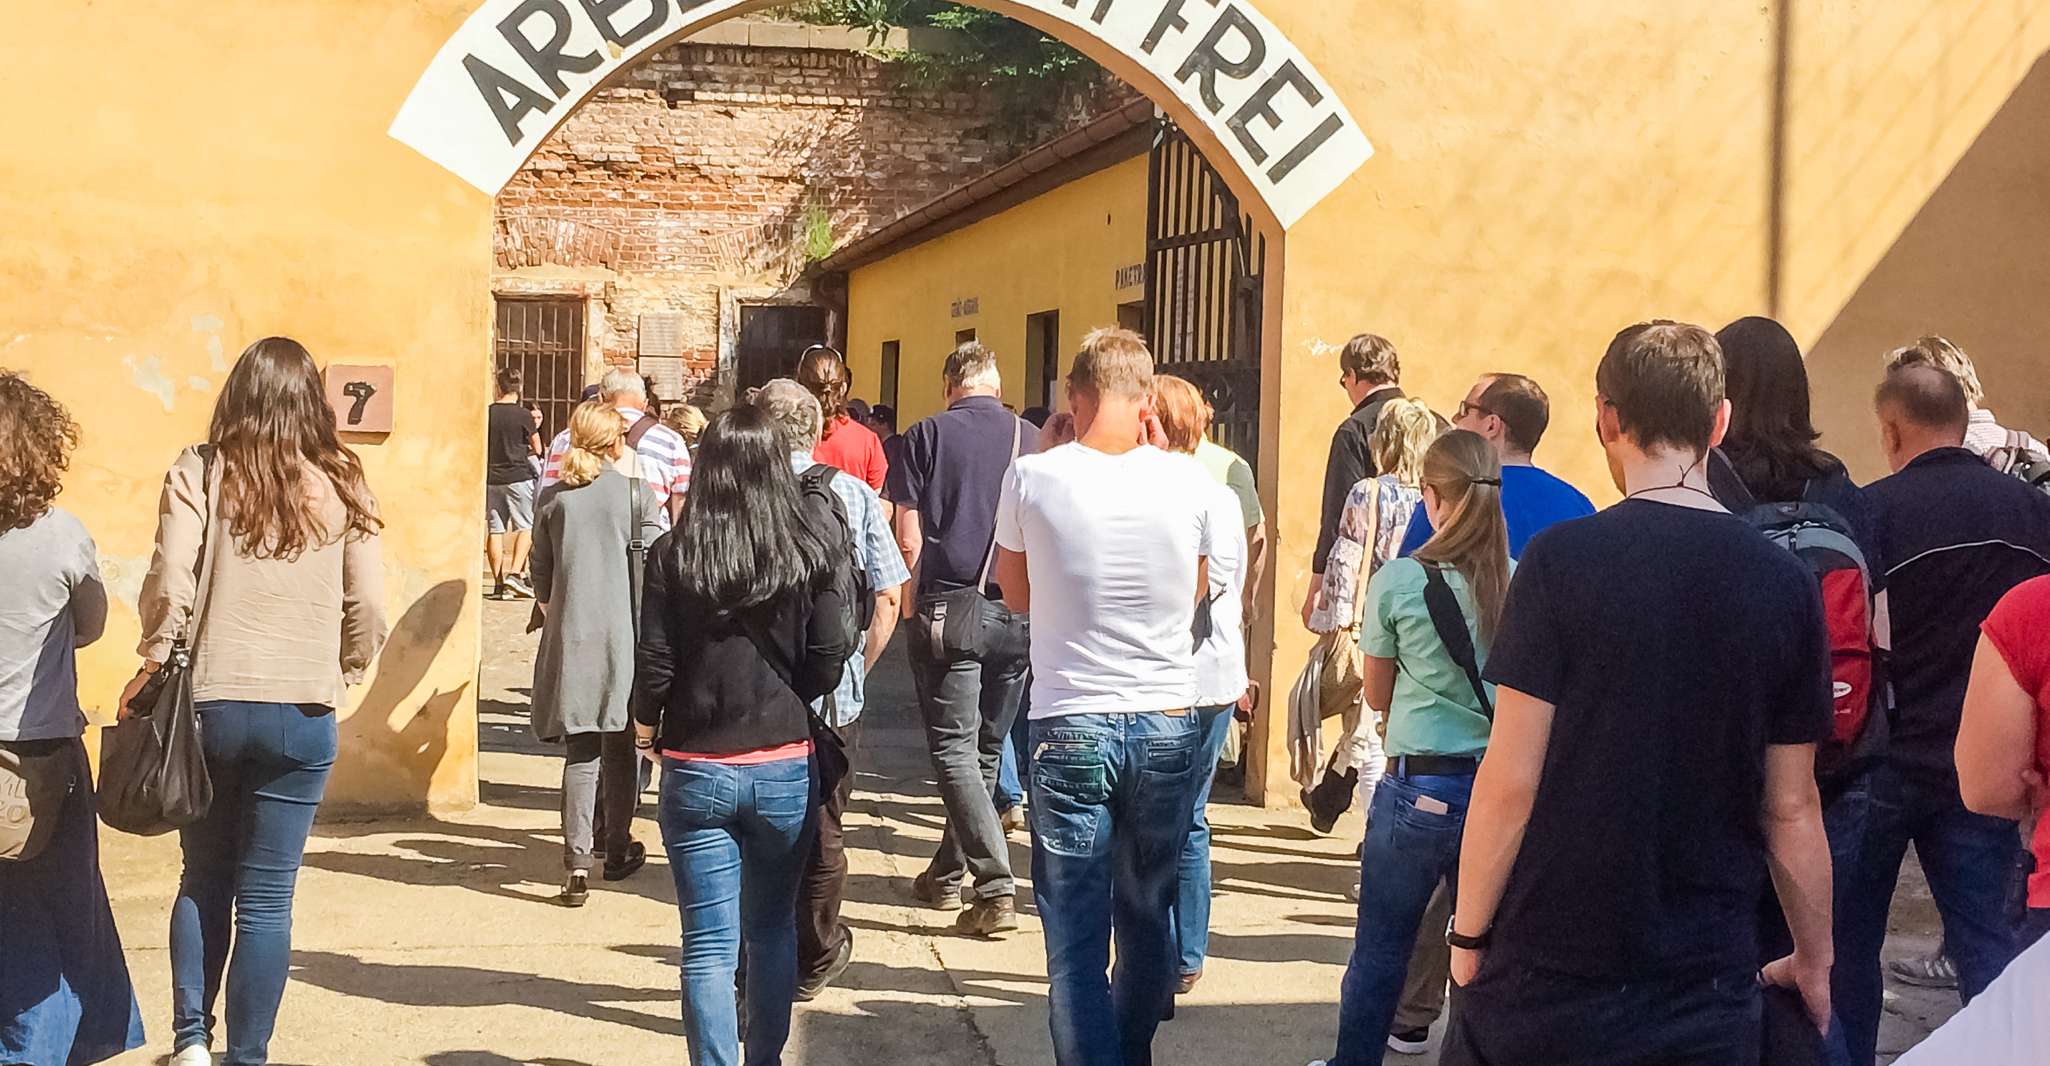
x,y
595,430
1113,362
1940,353
1463,471
1405,428
686,420
1184,414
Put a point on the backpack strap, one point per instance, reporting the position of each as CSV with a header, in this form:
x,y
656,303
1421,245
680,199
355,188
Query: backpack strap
x,y
1450,622
640,429
1726,485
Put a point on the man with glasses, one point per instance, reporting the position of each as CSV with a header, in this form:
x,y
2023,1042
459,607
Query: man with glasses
x,y
1511,412
1370,373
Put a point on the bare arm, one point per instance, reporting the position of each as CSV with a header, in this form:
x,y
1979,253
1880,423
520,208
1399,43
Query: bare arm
x,y
1378,675
910,541
1996,740
882,628
1256,568
1016,580
1797,852
1499,813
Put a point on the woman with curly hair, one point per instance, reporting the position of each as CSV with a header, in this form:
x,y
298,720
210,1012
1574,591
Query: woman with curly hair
x,y
64,990
285,609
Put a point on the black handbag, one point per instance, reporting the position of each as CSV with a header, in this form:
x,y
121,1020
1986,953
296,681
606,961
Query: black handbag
x,y
153,776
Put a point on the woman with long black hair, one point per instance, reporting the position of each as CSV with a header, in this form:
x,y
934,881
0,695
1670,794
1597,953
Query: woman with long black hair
x,y
285,611
743,625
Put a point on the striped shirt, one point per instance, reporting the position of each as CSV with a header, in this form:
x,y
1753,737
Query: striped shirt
x,y
665,461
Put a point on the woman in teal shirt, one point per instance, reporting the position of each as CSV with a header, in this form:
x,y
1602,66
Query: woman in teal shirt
x,y
1429,620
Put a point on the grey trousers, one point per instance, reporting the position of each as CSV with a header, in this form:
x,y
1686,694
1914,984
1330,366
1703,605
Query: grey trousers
x,y
968,705
597,768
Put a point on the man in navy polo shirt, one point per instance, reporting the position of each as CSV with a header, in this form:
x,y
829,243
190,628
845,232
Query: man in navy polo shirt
x,y
968,652
1511,412
1956,534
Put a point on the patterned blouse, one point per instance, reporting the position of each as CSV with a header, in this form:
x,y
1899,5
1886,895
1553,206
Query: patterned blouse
x,y
1370,531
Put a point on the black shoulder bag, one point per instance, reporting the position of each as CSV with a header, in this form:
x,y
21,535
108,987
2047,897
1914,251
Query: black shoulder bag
x,y
153,776
1450,622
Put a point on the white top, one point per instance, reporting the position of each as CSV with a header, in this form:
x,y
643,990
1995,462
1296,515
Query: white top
x,y
1112,544
1221,661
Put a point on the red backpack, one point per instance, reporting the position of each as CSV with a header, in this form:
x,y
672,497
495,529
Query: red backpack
x,y
1851,609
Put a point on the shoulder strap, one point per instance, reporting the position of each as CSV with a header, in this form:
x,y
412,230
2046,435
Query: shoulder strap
x,y
1450,622
636,550
640,429
989,558
203,570
1726,485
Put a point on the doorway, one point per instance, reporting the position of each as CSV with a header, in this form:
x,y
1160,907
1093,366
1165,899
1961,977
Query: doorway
x,y
771,336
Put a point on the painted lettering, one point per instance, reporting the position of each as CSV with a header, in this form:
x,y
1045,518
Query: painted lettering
x,y
508,98
1170,19
548,61
1331,124
1260,105
603,11
1208,60
1102,9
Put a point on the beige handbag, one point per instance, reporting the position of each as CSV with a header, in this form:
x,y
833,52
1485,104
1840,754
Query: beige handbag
x,y
36,779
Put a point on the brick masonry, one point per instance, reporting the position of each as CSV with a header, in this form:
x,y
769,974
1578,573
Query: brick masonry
x,y
695,183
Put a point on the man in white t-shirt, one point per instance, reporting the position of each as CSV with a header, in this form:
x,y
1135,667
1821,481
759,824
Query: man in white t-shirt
x,y
1105,542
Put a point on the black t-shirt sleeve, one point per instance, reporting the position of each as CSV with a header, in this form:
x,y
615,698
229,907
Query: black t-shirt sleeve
x,y
904,481
1806,710
1529,653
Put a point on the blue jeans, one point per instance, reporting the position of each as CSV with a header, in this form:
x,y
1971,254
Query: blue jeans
x,y
1015,761
1110,809
1967,858
1192,894
736,837
1408,851
269,763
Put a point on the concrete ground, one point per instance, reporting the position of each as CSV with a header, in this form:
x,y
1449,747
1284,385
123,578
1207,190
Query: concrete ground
x,y
437,941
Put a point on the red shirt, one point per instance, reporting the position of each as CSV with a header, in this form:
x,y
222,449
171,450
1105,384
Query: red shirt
x,y
2019,628
848,445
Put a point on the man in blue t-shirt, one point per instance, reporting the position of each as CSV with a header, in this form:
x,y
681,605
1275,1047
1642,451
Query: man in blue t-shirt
x,y
1511,411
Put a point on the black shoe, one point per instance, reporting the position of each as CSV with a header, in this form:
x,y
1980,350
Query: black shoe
x,y
636,857
1409,1041
576,889
810,987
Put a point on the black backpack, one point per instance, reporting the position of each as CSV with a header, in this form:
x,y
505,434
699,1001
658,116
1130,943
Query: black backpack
x,y
850,577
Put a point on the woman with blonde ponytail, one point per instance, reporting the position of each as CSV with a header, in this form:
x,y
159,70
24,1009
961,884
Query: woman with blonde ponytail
x,y
1429,620
590,530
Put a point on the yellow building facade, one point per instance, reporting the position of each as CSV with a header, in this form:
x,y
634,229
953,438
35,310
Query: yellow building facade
x,y
184,178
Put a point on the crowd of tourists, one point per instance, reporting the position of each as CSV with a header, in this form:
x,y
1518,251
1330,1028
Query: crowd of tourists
x,y
1638,783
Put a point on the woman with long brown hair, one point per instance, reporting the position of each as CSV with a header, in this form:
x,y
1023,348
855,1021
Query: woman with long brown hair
x,y
1429,621
844,443
65,995
267,566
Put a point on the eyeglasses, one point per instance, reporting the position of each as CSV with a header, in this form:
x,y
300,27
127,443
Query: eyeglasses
x,y
1465,406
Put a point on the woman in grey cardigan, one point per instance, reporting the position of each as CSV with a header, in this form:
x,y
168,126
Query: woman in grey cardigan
x,y
590,530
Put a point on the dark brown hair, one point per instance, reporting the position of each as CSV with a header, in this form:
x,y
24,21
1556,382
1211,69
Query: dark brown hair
x,y
275,429
1371,359
824,372
1522,406
36,438
1925,395
509,380
1665,381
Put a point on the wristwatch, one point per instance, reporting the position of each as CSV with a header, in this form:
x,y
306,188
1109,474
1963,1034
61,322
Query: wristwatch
x,y
1480,942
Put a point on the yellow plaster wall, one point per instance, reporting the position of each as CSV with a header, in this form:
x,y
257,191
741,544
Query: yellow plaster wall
x,y
1058,251
1544,175
212,173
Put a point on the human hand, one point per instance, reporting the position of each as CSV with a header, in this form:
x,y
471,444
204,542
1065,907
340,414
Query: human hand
x,y
1151,431
134,687
1310,605
1466,965
1059,430
1809,978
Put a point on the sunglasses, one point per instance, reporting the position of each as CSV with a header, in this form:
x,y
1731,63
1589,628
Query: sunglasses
x,y
1465,408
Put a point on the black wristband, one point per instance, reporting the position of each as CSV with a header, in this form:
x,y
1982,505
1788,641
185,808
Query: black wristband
x,y
1479,942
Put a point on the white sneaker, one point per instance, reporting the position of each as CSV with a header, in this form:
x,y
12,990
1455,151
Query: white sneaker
x,y
1410,1043
193,1055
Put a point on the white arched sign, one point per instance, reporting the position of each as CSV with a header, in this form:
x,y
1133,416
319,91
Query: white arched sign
x,y
517,68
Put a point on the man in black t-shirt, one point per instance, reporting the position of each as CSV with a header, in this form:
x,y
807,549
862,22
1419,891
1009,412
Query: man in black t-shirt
x,y
510,445
1663,678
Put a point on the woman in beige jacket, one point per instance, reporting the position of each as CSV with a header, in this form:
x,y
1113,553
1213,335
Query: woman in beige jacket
x,y
285,609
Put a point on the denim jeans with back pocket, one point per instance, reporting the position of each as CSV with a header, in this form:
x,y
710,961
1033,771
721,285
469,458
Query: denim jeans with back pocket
x,y
1111,796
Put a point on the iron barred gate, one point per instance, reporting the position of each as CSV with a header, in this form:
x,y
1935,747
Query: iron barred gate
x,y
1204,264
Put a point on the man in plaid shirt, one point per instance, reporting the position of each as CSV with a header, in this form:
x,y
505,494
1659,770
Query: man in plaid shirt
x,y
664,458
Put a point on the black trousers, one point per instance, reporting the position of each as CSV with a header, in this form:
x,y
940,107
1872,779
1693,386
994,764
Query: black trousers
x,y
824,881
1512,1014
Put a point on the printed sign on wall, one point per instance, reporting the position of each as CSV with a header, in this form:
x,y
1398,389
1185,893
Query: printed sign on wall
x,y
517,68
